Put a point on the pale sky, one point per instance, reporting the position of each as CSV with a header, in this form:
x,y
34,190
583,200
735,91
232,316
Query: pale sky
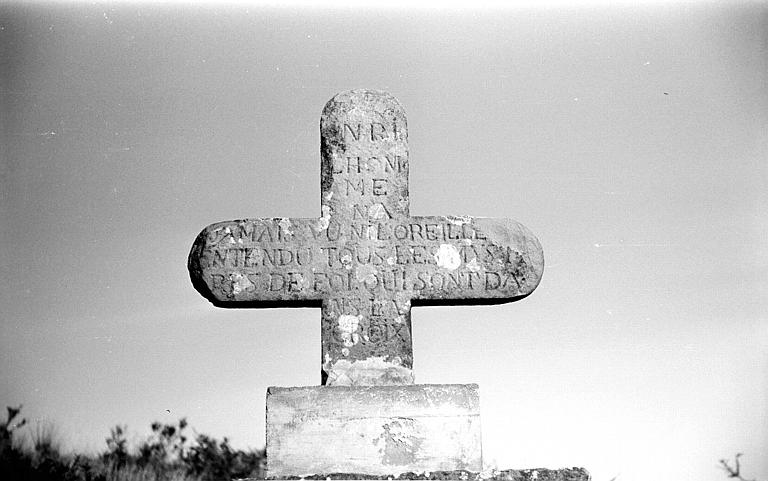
x,y
632,140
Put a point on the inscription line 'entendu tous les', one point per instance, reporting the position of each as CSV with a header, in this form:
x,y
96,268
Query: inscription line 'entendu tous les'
x,y
365,258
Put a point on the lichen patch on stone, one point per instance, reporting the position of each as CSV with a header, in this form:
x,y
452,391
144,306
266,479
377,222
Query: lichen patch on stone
x,y
346,261
399,442
348,327
473,266
377,212
228,232
365,274
325,220
373,371
447,256
285,225
459,219
240,283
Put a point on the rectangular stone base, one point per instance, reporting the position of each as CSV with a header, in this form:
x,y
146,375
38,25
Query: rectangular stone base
x,y
373,430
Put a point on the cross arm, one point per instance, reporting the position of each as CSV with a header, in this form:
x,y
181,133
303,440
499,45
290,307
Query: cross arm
x,y
476,258
254,260
305,259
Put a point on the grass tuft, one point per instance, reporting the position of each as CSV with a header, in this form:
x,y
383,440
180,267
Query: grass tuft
x,y
167,454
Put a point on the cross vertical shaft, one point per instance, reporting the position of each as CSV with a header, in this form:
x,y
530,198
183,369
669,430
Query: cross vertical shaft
x,y
366,334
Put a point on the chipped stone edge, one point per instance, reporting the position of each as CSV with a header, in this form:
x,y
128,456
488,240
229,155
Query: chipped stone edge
x,y
536,474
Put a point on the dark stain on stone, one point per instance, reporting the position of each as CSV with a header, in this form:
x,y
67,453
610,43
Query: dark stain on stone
x,y
399,443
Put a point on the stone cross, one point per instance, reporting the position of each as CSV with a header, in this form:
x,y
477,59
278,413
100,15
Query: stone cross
x,y
365,258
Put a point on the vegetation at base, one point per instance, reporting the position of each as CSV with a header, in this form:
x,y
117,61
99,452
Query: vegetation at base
x,y
735,470
166,454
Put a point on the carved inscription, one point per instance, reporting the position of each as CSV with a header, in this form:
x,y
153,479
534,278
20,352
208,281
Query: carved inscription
x,y
425,254
366,258
372,131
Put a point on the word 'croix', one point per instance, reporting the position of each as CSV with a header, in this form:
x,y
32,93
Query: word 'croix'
x,y
365,258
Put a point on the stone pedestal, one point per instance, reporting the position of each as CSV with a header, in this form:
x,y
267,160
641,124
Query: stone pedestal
x,y
373,430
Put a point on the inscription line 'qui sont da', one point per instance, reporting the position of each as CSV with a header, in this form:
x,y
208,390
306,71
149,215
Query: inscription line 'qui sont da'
x,y
392,280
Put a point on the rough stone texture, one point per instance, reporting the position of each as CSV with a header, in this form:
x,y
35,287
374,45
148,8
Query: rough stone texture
x,y
375,430
539,474
567,474
365,258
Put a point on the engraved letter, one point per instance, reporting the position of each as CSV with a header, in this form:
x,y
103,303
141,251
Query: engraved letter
x,y
359,187
381,134
355,134
379,186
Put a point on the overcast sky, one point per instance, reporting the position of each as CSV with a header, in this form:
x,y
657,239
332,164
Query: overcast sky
x,y
632,141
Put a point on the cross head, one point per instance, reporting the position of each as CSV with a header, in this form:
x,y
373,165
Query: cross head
x,y
365,259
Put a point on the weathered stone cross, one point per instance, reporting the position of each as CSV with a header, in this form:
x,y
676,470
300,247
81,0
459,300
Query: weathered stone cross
x,y
365,258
